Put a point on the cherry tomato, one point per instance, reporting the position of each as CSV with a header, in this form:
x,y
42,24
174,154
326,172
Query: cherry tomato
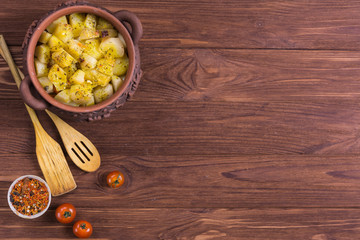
x,y
82,229
65,213
115,179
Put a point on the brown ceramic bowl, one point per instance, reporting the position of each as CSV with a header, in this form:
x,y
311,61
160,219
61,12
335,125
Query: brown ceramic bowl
x,y
127,24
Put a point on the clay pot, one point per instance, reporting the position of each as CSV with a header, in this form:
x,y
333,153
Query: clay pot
x,y
127,24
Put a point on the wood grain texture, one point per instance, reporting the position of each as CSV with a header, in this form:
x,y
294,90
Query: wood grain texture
x,y
236,75
196,224
297,24
205,128
245,125
208,181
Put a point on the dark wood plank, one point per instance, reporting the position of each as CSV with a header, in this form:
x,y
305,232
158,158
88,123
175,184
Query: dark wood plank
x,y
236,75
223,24
249,75
227,137
204,128
199,224
207,181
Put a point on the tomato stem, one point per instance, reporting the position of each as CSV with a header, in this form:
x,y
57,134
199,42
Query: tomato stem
x,y
67,214
83,226
116,182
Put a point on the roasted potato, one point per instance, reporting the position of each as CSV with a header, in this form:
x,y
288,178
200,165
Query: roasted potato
x,y
103,24
117,81
58,77
81,59
112,47
78,77
41,69
87,61
75,48
88,33
51,28
63,58
55,44
80,93
105,66
42,52
121,66
46,84
92,48
103,93
90,21
64,32
63,96
76,21
45,36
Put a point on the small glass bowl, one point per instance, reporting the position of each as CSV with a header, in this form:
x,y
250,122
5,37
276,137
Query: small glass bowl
x,y
20,214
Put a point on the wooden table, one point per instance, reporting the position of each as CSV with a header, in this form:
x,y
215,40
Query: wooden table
x,y
246,125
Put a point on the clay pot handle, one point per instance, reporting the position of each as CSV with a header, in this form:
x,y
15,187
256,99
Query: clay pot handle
x,y
133,20
28,97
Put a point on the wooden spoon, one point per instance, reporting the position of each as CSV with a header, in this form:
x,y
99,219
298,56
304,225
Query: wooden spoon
x,y
49,153
81,151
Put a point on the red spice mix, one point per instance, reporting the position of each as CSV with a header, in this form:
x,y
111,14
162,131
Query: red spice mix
x,y
29,196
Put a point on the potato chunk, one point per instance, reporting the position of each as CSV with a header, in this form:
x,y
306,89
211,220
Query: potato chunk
x,y
63,96
89,75
103,93
92,48
46,84
90,21
63,32
88,33
80,94
121,65
87,61
105,66
55,44
112,47
71,103
90,102
41,68
70,70
117,81
100,78
122,40
103,24
53,25
62,58
76,21
57,76
75,48
42,52
45,36
78,77
108,33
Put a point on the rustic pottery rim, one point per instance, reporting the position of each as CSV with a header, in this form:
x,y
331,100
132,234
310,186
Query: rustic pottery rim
x,y
20,214
29,64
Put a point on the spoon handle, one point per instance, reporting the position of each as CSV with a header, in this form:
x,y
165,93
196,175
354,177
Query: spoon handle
x,y
49,153
18,76
7,56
